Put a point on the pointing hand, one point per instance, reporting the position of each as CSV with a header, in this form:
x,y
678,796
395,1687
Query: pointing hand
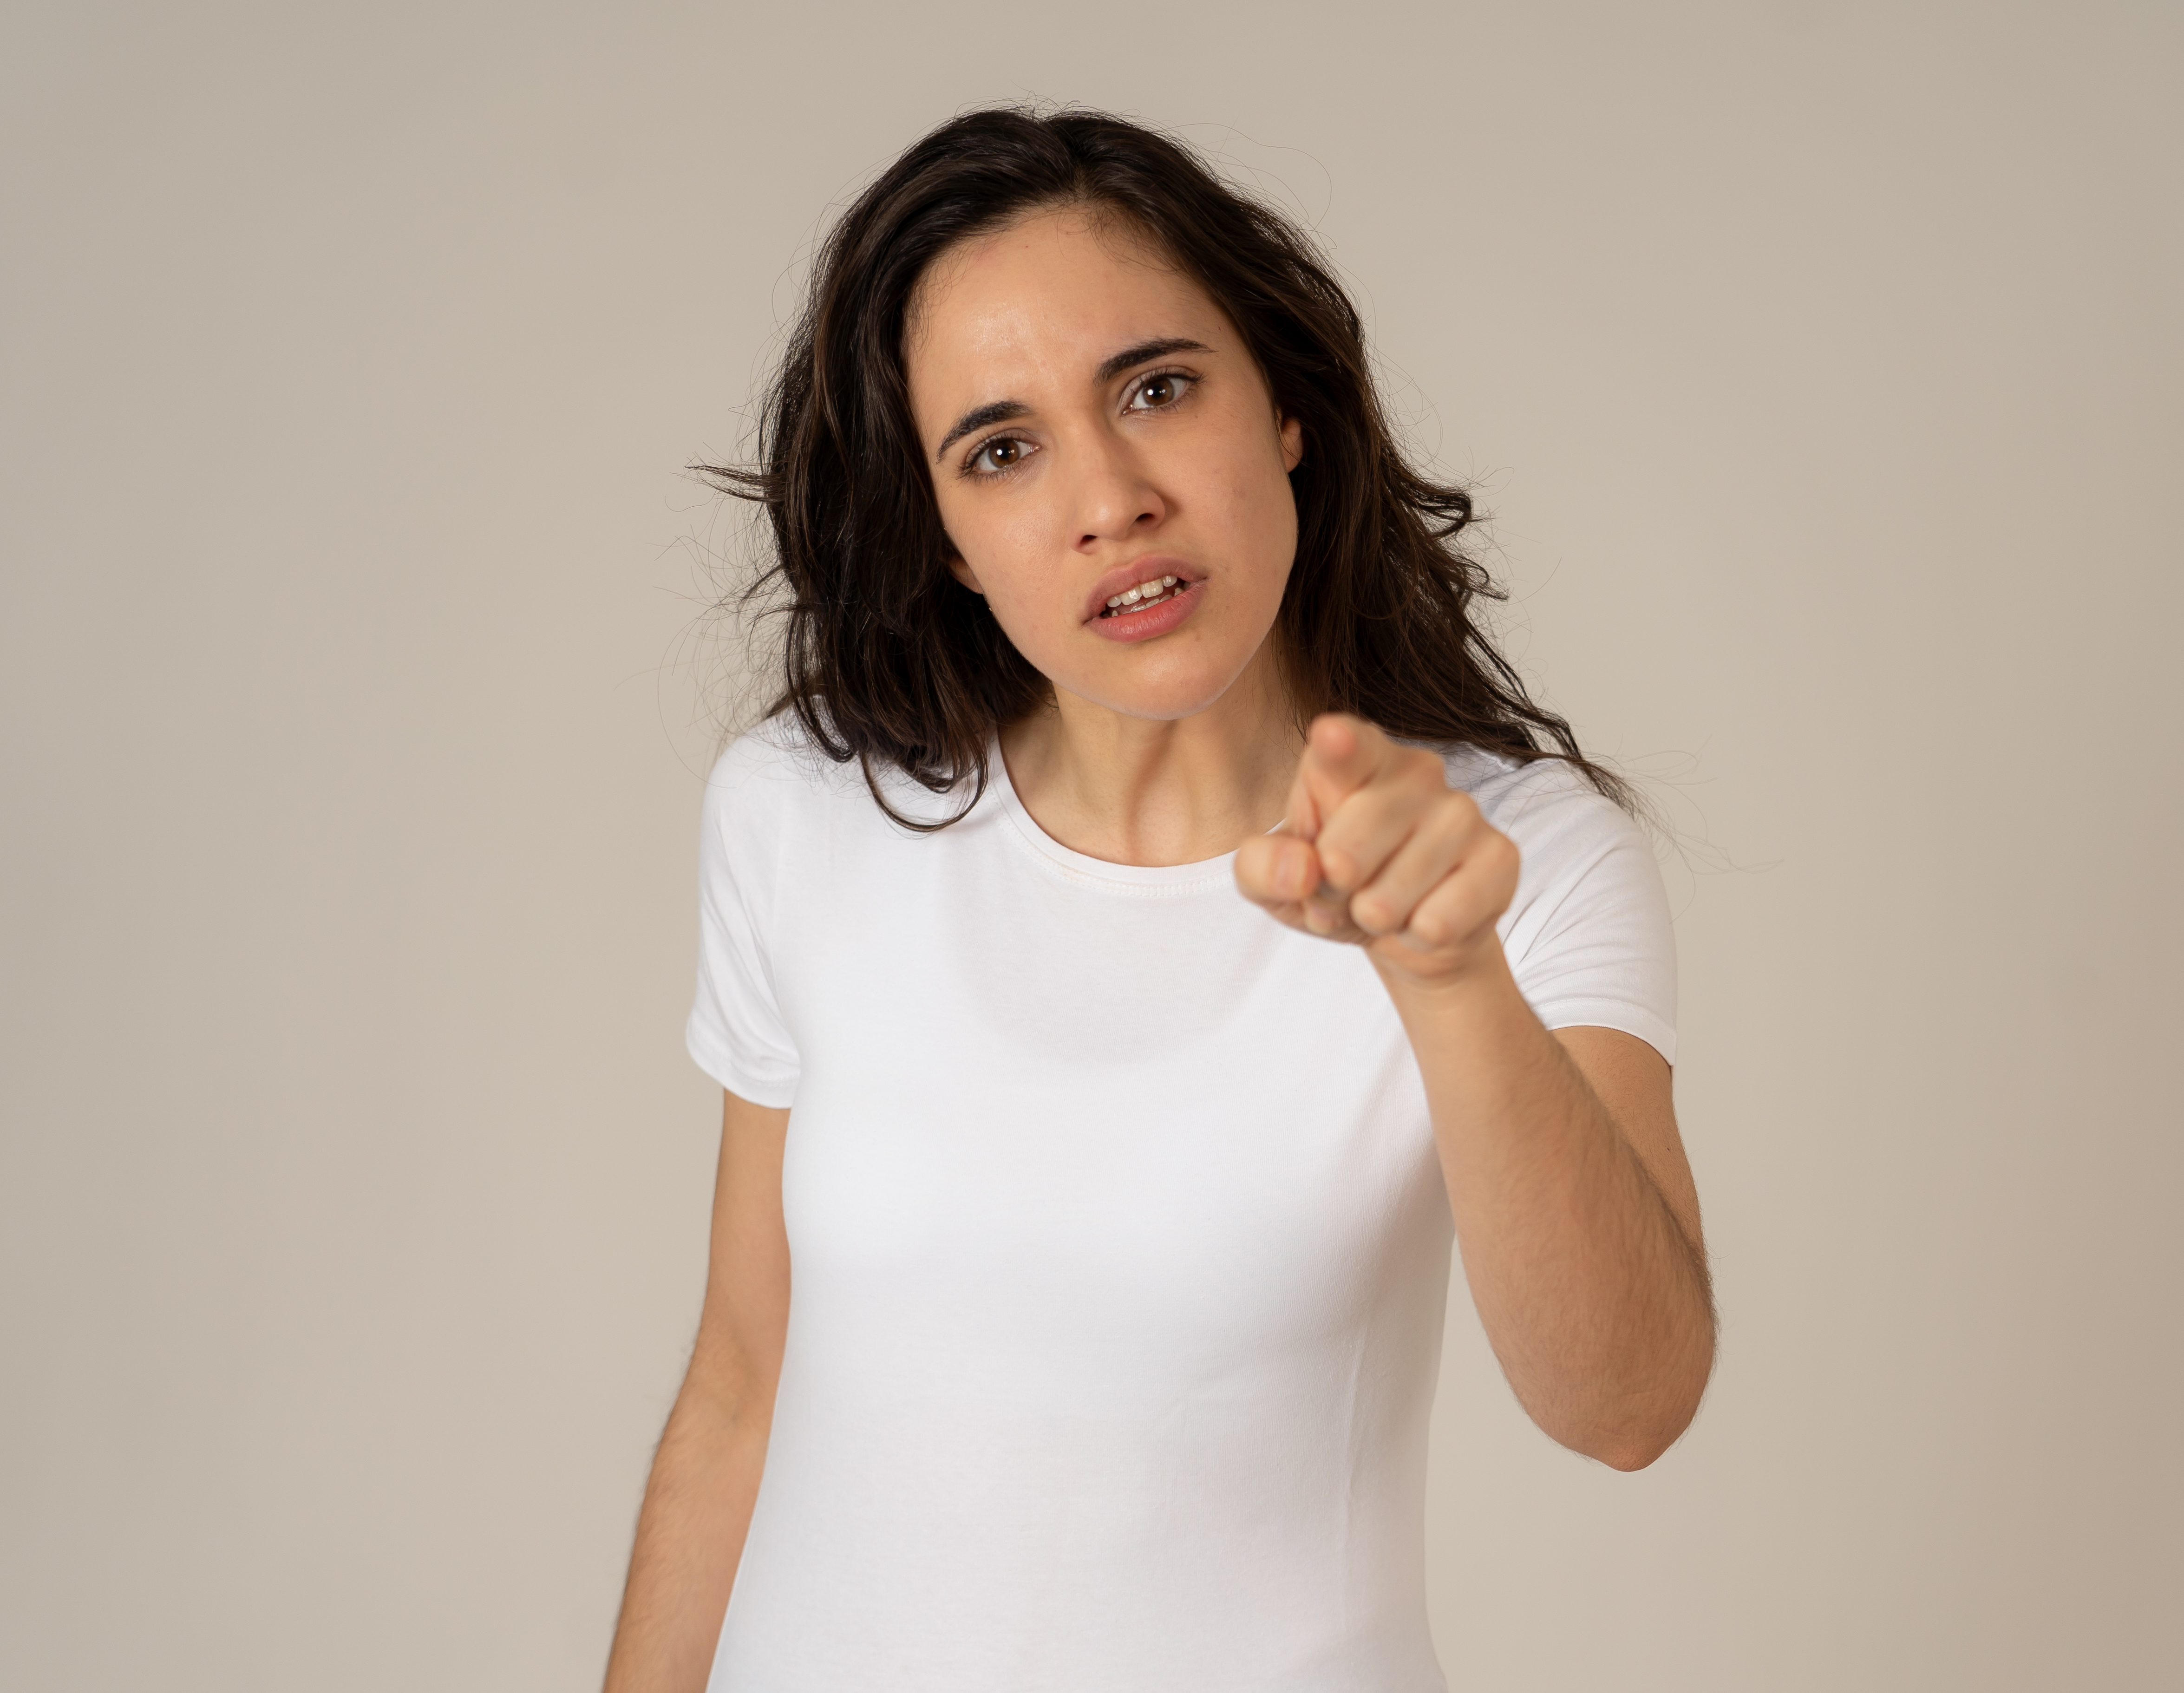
x,y
1378,850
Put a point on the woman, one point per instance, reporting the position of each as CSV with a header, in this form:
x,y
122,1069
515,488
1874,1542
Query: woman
x,y
1153,896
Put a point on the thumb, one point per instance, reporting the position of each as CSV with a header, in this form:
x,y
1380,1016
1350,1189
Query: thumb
x,y
1277,869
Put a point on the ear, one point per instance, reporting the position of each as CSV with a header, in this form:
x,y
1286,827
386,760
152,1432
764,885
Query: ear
x,y
963,573
1292,442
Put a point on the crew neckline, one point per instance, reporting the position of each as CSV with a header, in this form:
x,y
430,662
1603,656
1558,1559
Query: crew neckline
x,y
1178,877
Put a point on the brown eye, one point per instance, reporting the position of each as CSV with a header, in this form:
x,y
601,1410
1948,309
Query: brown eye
x,y
1000,454
1155,392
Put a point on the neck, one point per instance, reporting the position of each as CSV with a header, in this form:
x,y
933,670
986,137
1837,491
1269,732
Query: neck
x,y
1150,791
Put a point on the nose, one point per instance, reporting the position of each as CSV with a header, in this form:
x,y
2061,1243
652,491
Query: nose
x,y
1115,496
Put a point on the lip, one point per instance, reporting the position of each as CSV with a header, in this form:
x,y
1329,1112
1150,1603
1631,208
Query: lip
x,y
1143,626
1129,575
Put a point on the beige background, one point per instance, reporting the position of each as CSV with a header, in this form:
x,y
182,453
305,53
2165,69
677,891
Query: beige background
x,y
1822,368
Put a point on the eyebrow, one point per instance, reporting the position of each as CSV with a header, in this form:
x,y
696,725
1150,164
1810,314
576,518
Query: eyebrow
x,y
1000,411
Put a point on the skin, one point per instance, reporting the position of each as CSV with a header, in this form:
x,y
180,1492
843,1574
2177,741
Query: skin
x,y
1168,751
705,1476
1574,1210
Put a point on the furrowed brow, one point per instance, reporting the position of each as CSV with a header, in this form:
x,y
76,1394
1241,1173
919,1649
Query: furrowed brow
x,y
999,411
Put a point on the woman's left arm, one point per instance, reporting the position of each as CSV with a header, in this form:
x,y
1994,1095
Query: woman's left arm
x,y
1575,1212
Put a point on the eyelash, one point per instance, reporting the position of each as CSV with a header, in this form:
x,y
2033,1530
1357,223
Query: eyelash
x,y
971,459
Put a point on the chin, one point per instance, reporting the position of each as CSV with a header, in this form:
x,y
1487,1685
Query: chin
x,y
1164,699
1164,681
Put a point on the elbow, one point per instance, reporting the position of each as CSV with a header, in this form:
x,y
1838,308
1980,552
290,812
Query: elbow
x,y
1625,1443
1628,1455
1648,1429
1634,1446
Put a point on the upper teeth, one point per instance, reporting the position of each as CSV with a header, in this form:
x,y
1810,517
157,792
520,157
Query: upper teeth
x,y
1144,590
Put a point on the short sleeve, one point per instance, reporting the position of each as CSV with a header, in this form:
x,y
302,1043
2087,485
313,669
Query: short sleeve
x,y
736,1033
1589,934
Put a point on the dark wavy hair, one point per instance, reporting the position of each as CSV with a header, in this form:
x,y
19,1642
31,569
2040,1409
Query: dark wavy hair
x,y
891,661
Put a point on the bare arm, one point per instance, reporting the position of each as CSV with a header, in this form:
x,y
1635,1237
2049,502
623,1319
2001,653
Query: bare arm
x,y
704,1476
1574,1203
1577,1218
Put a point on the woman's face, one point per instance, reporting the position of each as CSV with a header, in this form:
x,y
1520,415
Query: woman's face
x,y
1097,432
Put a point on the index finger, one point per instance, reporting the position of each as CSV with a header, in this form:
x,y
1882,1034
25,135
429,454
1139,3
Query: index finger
x,y
1341,754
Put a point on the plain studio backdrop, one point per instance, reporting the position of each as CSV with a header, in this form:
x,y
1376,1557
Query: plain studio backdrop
x,y
1820,367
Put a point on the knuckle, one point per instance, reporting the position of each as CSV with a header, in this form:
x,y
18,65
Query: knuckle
x,y
1454,814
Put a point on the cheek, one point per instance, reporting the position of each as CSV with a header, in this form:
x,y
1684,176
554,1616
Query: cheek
x,y
985,534
1259,510
1019,561
1011,548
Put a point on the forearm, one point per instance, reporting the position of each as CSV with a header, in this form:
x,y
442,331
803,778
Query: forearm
x,y
1593,1296
689,1539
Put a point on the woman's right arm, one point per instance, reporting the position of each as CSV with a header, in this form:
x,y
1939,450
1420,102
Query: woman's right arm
x,y
705,1476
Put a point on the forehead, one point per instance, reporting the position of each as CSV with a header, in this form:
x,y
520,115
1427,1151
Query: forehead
x,y
1044,299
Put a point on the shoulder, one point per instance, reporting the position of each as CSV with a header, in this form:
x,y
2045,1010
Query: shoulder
x,y
1545,806
1589,933
775,779
769,789
775,763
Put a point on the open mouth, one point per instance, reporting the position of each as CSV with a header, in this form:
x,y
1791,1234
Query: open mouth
x,y
1154,591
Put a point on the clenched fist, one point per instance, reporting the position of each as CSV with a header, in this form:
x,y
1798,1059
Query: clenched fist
x,y
1378,850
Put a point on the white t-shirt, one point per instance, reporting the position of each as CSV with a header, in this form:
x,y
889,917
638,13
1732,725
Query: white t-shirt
x,y
1119,1245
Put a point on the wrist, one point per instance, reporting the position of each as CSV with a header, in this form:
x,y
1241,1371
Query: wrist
x,y
1481,980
